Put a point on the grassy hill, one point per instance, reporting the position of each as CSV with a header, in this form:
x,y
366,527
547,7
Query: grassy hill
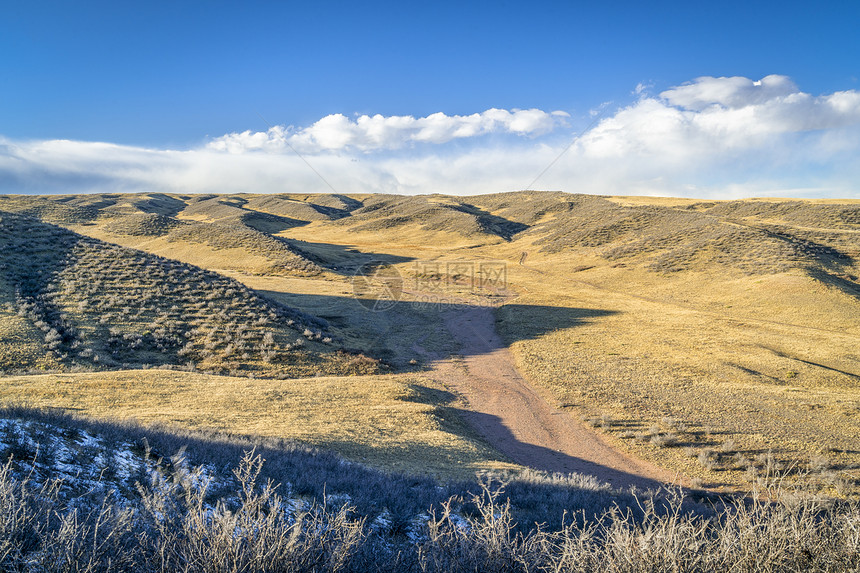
x,y
205,223
717,339
430,213
73,302
754,237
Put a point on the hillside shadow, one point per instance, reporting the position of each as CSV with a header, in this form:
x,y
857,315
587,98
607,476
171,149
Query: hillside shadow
x,y
351,204
836,280
32,253
529,455
517,322
323,475
97,202
510,323
504,228
471,331
540,458
159,204
268,223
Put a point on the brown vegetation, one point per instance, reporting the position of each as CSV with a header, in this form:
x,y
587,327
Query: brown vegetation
x,y
737,319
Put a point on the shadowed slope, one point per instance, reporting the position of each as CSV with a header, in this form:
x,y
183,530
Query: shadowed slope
x,y
100,305
431,213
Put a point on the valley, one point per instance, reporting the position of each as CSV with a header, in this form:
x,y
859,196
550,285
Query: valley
x,y
712,340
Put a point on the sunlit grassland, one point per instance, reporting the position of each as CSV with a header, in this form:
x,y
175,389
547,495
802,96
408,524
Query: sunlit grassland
x,y
706,336
708,371
707,374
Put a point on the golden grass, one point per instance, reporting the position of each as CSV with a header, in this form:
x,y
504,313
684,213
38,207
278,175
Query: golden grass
x,y
767,360
198,254
769,363
633,200
393,422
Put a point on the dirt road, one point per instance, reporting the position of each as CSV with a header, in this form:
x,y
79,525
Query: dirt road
x,y
515,419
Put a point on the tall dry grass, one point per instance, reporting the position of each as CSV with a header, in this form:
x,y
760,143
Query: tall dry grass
x,y
172,527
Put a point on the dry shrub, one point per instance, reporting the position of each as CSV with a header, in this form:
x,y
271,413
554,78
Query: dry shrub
x,y
173,526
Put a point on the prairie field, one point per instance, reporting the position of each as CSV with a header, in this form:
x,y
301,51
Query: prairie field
x,y
715,339
510,382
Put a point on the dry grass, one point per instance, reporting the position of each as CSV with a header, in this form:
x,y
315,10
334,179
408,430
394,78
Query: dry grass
x,y
389,336
22,343
220,236
767,359
395,422
766,384
173,526
212,222
393,213
142,225
223,245
739,320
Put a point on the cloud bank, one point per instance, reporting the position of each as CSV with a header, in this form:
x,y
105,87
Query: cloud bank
x,y
711,137
373,133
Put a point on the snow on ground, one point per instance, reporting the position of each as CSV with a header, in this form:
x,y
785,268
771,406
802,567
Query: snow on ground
x,y
88,465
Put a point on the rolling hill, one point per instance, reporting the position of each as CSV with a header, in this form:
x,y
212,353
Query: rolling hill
x,y
73,302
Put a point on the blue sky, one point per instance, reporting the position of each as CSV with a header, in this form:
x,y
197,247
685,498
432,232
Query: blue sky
x,y
206,96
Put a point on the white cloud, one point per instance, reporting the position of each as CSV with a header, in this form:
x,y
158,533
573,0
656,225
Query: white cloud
x,y
715,116
728,92
367,133
642,89
713,137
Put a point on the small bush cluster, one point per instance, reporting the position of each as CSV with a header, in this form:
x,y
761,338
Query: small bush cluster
x,y
59,209
142,225
153,215
799,213
304,510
